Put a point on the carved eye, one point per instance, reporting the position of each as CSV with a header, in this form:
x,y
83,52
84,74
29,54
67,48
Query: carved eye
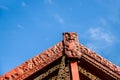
x,y
6,78
69,38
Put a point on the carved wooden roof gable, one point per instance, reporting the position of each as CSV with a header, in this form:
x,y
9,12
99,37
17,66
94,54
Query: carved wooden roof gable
x,y
36,63
73,50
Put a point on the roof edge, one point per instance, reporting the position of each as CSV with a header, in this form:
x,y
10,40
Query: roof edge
x,y
71,47
99,61
34,64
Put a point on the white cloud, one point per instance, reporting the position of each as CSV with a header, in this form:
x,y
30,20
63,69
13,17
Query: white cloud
x,y
99,34
20,26
59,19
3,7
23,4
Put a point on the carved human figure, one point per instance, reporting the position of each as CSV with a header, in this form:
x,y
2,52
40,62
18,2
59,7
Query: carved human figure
x,y
71,45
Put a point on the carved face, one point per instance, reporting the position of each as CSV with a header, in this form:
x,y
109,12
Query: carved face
x,y
70,45
70,36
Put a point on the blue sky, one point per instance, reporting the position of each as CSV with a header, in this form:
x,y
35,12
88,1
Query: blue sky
x,y
28,27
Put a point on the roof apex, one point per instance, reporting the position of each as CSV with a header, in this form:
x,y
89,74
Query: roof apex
x,y
69,45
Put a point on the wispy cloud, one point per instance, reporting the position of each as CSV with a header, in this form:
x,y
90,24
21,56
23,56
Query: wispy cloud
x,y
99,39
97,47
91,46
23,4
3,7
99,34
59,19
20,26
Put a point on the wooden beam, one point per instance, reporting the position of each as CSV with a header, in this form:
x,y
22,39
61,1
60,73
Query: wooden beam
x,y
74,70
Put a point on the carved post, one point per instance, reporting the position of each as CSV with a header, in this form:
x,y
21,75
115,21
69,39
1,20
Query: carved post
x,y
71,44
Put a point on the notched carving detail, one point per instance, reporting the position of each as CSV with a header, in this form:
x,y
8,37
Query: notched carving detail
x,y
34,64
71,48
71,45
100,60
42,76
88,74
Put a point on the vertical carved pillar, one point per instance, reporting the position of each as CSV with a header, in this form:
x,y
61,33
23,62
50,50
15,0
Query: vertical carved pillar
x,y
71,50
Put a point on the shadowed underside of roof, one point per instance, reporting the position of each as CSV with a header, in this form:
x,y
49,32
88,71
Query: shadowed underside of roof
x,y
90,64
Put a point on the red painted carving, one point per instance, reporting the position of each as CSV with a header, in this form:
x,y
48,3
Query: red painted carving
x,y
70,41
31,66
71,48
97,59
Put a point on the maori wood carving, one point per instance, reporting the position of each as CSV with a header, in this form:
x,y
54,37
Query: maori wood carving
x,y
72,49
63,73
38,62
71,45
42,76
88,74
100,62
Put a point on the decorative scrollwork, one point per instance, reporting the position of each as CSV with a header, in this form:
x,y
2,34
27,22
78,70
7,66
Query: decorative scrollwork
x,y
97,59
88,74
42,76
64,73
